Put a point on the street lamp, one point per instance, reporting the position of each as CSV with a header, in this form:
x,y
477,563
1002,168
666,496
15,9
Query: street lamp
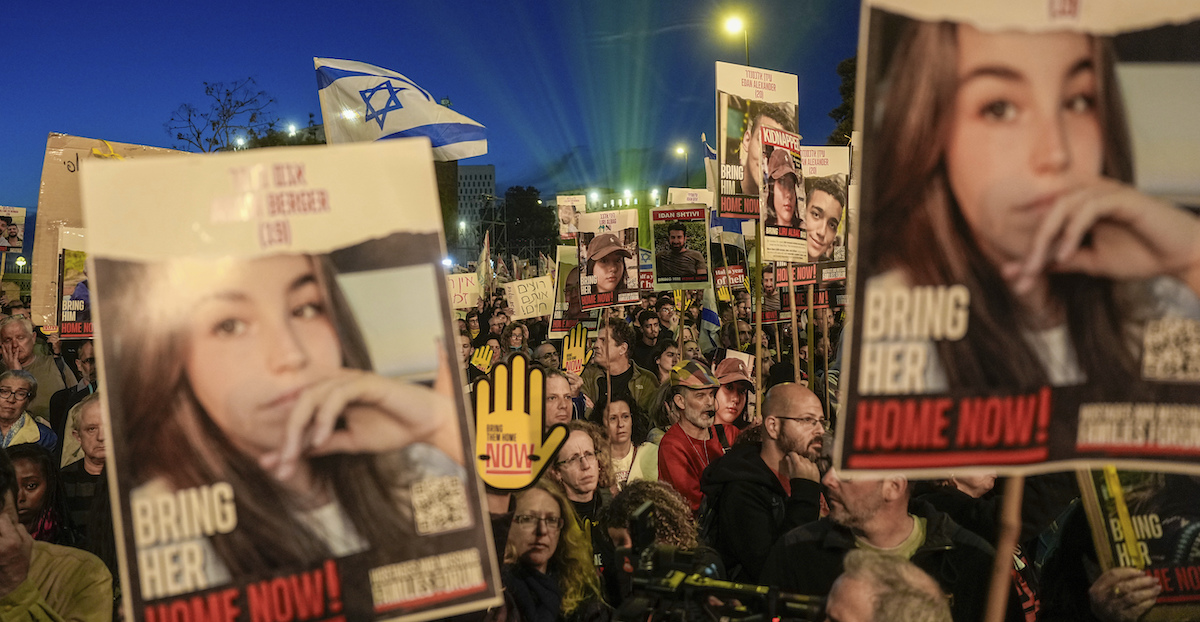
x,y
681,150
734,25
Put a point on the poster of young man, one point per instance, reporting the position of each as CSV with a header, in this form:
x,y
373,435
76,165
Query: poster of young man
x,y
1021,300
12,229
680,246
282,411
782,195
748,99
570,206
608,259
826,208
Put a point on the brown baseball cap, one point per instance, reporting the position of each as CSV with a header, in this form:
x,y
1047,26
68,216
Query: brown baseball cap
x,y
734,370
780,164
604,245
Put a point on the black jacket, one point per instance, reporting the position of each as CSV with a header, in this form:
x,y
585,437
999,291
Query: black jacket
x,y
753,510
808,559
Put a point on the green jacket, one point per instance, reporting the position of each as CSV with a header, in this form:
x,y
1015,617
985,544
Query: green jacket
x,y
642,385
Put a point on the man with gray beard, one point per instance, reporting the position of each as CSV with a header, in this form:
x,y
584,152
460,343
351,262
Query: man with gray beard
x,y
761,490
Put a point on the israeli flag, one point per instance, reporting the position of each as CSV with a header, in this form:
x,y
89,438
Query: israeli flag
x,y
361,102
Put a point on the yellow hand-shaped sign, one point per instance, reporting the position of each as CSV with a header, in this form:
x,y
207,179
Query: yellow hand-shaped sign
x,y
510,447
724,294
575,349
482,358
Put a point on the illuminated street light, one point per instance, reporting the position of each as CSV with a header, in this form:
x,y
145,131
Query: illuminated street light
x,y
292,129
241,142
734,25
595,196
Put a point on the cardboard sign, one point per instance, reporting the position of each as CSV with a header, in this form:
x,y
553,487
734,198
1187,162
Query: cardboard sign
x,y
531,297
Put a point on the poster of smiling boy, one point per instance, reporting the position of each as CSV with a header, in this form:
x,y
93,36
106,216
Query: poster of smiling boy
x,y
273,422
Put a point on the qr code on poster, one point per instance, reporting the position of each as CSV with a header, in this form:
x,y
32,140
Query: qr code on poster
x,y
440,504
1172,350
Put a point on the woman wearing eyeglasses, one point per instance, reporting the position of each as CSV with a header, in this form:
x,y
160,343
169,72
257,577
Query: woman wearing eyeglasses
x,y
17,388
548,572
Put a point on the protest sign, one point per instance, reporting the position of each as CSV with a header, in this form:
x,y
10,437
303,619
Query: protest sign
x,y
782,206
282,283
680,246
826,215
531,297
12,229
996,321
75,306
568,310
608,259
748,99
1146,521
570,206
58,206
464,290
689,195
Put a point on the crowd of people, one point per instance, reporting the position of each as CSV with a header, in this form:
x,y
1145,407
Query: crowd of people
x,y
58,557
751,493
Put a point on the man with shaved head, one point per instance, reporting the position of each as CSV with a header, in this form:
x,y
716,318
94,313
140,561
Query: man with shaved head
x,y
762,490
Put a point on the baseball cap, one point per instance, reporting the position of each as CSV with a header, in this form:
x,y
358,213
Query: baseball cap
x,y
734,370
781,164
693,375
604,245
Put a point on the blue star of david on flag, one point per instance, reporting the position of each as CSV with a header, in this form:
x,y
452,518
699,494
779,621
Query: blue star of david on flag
x,y
392,103
354,94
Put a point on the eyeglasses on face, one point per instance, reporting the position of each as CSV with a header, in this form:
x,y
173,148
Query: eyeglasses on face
x,y
807,421
6,393
577,460
528,521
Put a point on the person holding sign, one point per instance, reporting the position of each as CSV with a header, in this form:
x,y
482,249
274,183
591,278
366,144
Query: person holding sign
x,y
1022,195
252,388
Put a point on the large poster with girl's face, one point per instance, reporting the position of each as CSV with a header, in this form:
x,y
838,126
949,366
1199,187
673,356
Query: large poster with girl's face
x,y
1020,299
609,273
284,420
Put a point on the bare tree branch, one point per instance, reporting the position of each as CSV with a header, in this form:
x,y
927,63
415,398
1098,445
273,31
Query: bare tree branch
x,y
237,109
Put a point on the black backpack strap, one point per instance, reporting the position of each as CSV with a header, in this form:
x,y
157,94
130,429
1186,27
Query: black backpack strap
x,y
720,430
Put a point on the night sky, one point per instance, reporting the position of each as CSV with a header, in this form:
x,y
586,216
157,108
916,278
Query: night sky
x,y
574,93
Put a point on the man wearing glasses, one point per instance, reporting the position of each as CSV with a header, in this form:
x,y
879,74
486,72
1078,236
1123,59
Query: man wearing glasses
x,y
759,491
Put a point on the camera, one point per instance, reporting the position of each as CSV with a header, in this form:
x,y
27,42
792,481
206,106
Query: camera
x,y
661,582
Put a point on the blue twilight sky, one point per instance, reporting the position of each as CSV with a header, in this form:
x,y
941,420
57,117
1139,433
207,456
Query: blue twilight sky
x,y
574,93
